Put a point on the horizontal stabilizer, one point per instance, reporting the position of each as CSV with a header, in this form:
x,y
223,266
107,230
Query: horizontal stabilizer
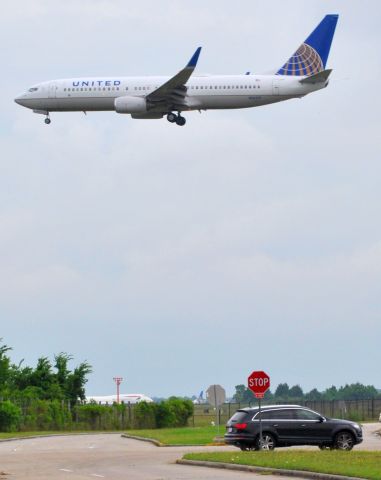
x,y
317,77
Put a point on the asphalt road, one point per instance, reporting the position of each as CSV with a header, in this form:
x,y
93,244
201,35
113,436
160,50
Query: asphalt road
x,y
112,457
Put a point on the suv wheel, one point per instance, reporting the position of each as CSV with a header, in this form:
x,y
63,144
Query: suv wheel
x,y
344,441
268,442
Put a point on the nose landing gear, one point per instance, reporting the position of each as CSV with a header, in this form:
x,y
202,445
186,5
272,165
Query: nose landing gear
x,y
178,119
47,119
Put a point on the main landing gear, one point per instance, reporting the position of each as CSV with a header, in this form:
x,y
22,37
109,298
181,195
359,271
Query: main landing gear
x,y
178,119
47,119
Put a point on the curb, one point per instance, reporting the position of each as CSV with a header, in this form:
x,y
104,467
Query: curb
x,y
266,470
159,444
144,439
31,437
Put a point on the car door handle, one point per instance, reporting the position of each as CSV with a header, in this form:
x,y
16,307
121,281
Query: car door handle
x,y
303,425
275,425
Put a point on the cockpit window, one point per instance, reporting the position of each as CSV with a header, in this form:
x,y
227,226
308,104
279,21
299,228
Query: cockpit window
x,y
33,89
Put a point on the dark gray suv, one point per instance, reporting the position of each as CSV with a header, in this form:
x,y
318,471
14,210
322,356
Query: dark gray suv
x,y
287,425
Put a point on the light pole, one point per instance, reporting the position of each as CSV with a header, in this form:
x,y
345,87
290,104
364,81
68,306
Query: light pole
x,y
118,381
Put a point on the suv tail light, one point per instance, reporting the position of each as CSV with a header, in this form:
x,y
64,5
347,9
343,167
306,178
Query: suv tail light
x,y
240,426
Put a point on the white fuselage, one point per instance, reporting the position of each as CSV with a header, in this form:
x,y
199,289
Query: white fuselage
x,y
203,92
123,397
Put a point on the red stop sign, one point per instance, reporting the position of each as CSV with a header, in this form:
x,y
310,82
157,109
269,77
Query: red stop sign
x,y
259,383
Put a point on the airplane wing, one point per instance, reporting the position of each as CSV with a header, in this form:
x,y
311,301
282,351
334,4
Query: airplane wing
x,y
171,95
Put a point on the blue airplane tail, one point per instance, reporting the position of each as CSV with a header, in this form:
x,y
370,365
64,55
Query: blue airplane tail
x,y
311,57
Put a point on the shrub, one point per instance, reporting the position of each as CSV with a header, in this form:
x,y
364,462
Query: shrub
x,y
10,416
145,415
92,414
182,410
165,416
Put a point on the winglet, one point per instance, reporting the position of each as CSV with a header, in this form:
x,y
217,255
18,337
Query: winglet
x,y
193,61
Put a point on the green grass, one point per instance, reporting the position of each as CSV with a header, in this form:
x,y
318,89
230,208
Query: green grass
x,y
180,436
352,464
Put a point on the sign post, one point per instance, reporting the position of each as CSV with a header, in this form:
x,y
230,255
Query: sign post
x,y
259,382
216,396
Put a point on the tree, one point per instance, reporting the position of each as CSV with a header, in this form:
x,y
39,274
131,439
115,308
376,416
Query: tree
x,y
296,392
313,395
5,366
61,361
330,393
76,381
282,391
357,391
243,394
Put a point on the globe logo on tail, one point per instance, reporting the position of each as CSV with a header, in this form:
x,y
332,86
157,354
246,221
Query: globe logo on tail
x,y
305,61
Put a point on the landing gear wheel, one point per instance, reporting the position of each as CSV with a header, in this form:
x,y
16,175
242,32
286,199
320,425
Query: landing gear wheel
x,y
268,442
180,121
344,441
171,117
47,120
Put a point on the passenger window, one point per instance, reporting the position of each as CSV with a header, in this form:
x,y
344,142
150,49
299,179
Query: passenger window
x,y
276,415
267,415
306,415
285,414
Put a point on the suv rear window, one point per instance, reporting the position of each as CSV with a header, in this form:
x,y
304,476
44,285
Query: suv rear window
x,y
238,416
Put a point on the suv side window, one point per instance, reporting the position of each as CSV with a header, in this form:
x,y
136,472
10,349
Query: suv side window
x,y
281,414
267,415
306,415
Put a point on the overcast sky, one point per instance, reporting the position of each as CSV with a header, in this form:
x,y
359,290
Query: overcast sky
x,y
181,257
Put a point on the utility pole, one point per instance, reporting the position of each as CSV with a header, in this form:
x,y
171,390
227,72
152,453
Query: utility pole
x,y
118,381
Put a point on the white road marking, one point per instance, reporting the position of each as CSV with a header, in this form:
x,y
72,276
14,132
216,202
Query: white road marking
x,y
65,470
96,475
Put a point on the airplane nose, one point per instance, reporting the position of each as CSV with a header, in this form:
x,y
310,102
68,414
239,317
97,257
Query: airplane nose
x,y
20,99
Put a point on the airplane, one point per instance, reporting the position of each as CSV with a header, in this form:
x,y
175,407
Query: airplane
x,y
131,398
155,97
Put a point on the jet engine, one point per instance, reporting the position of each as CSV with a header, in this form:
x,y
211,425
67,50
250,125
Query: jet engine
x,y
130,105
